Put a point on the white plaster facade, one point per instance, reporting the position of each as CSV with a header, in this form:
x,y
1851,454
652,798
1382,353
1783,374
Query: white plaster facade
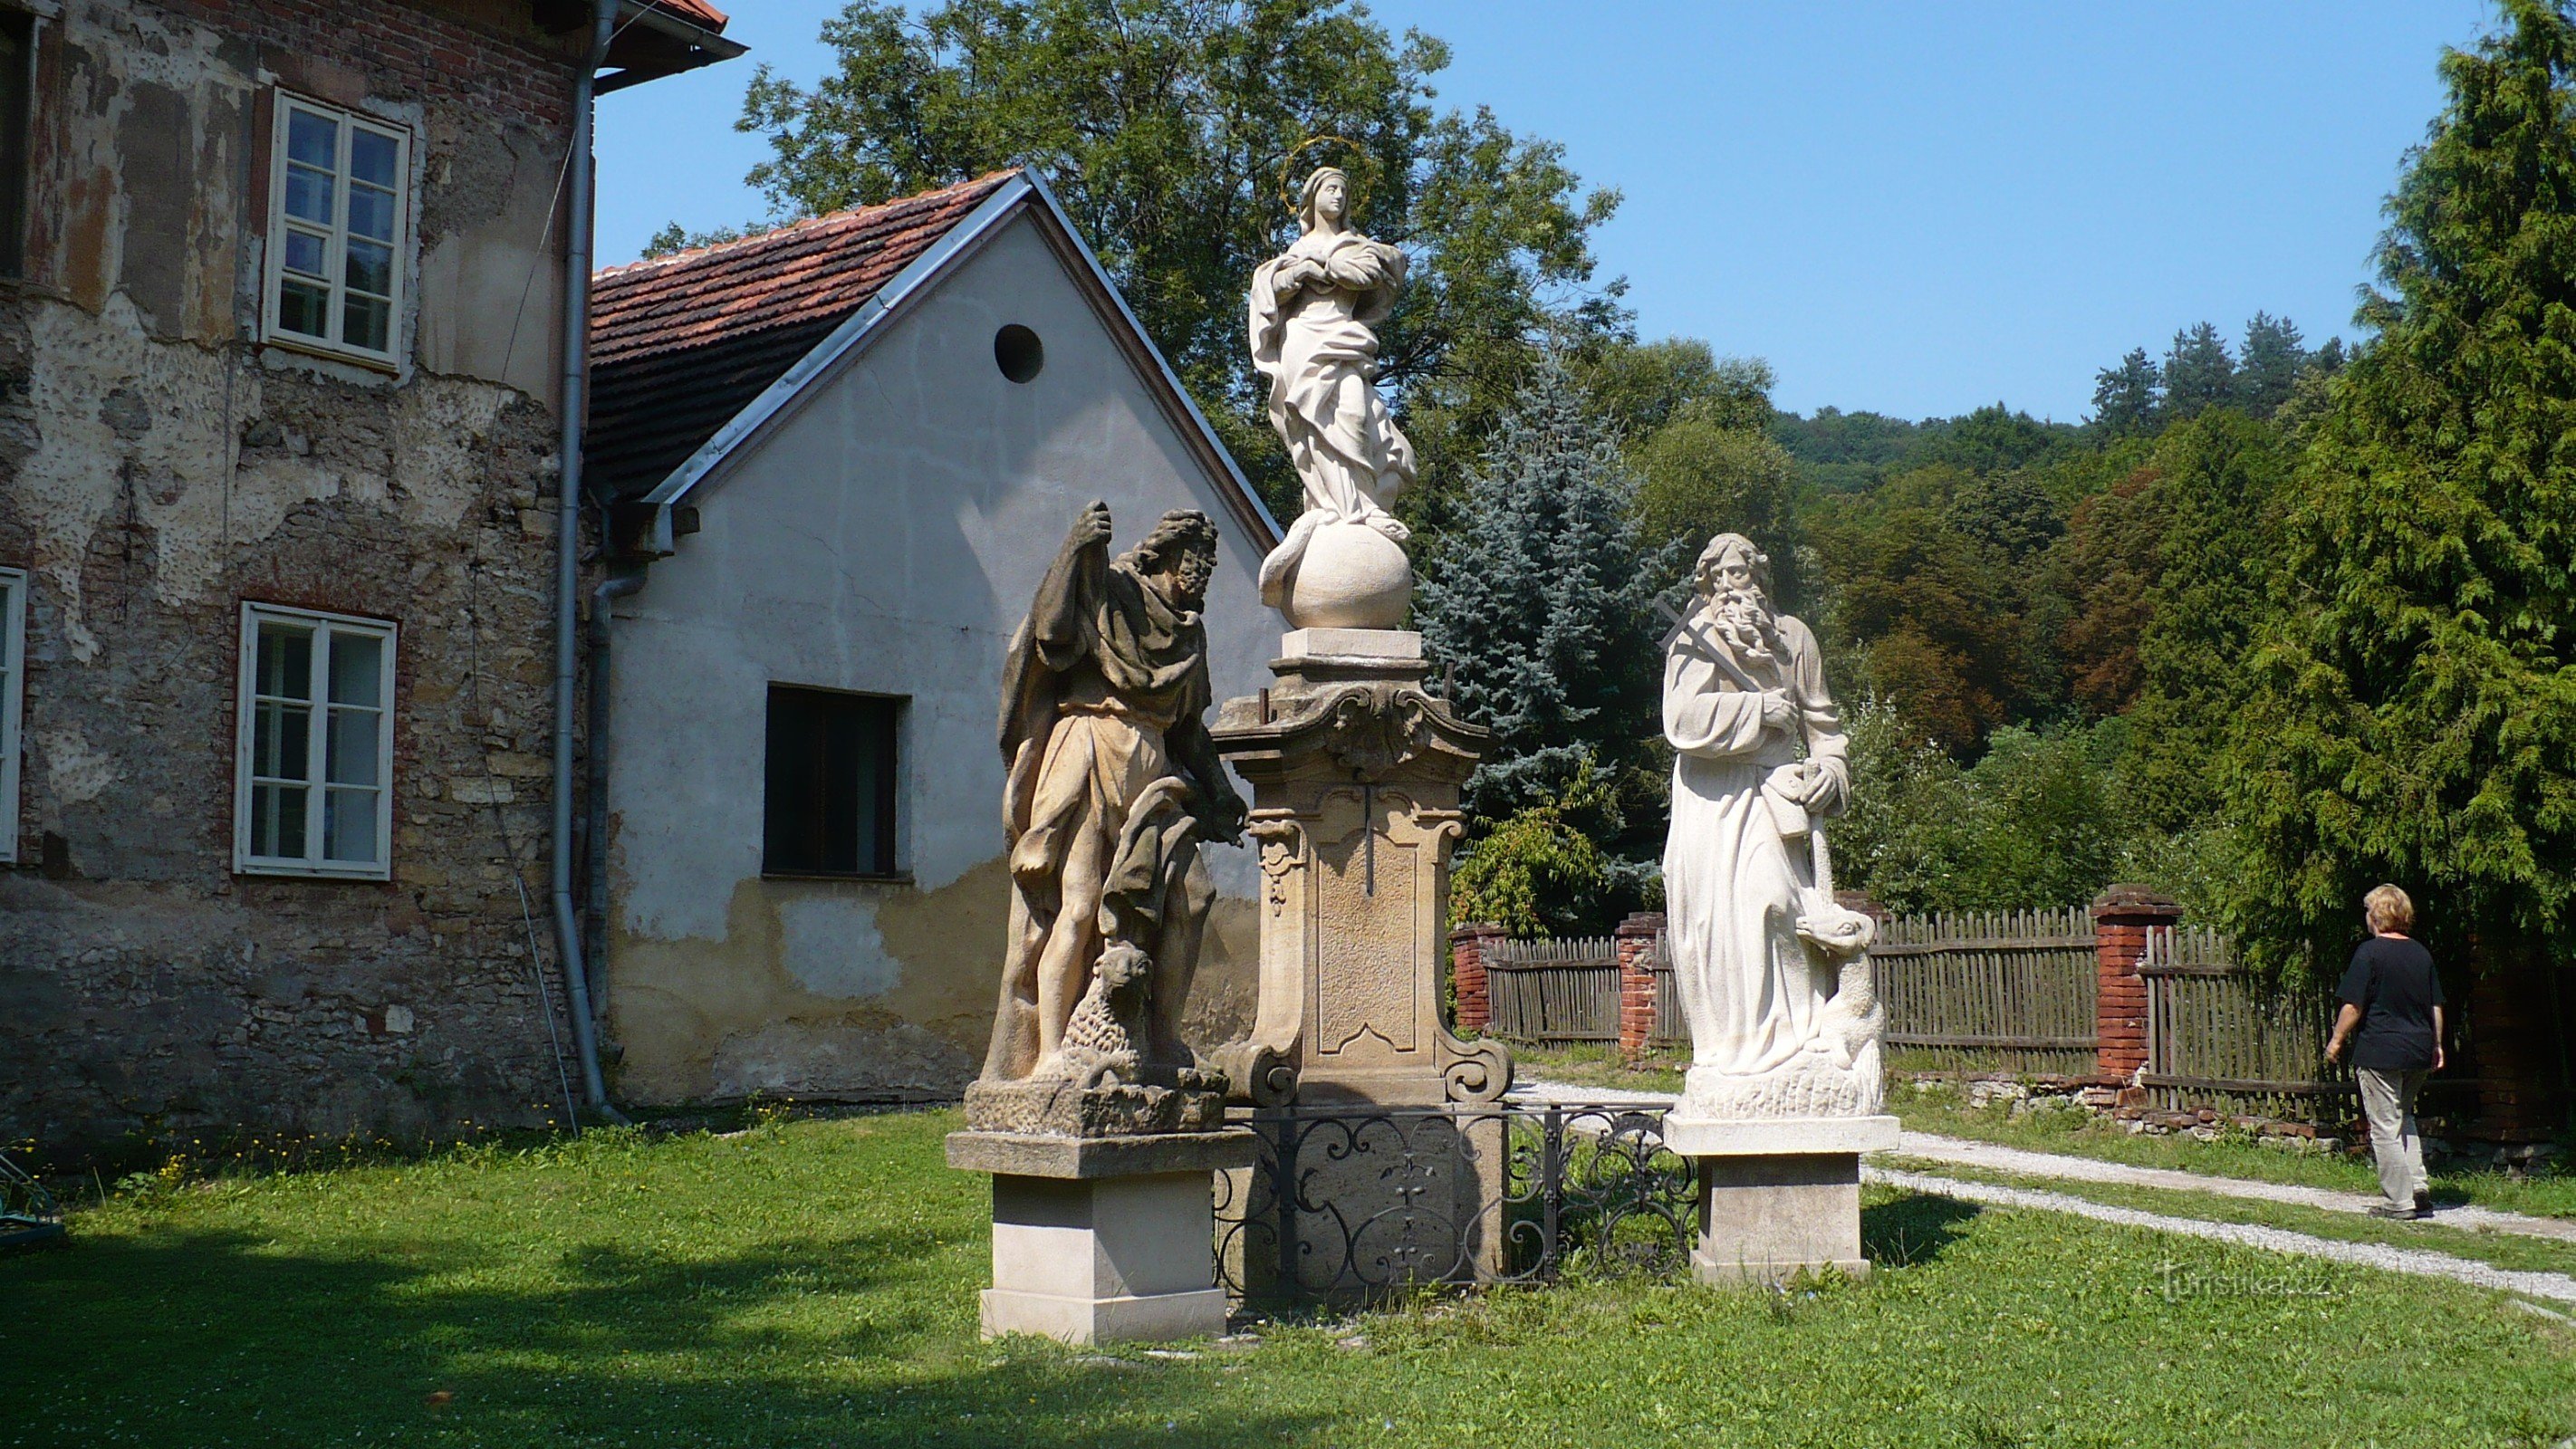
x,y
883,534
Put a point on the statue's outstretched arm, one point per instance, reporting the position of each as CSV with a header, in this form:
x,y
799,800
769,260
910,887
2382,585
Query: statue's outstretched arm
x,y
1061,610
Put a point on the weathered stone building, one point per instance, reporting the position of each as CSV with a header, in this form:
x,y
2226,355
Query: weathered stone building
x,y
279,389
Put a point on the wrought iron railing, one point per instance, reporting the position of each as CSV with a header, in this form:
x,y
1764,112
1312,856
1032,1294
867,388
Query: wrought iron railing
x,y
1350,1203
28,1213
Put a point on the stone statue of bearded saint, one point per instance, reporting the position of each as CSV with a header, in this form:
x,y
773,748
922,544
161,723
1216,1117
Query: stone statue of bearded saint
x,y
1762,958
1315,309
1113,782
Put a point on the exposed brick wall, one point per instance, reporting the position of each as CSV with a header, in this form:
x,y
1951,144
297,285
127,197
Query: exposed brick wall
x,y
1474,1000
1636,936
484,55
2122,919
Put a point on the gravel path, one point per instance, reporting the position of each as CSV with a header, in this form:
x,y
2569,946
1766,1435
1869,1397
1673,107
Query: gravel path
x,y
2421,1262
1994,1158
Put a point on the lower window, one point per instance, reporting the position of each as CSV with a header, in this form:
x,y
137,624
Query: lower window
x,y
316,747
828,805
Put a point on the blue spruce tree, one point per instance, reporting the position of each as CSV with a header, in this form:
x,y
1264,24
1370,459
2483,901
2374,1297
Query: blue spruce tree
x,y
1542,606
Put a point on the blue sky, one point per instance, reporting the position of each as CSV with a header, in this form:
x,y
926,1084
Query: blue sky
x,y
1911,208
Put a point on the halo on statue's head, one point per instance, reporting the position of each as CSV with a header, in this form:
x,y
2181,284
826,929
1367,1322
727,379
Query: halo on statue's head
x,y
1358,169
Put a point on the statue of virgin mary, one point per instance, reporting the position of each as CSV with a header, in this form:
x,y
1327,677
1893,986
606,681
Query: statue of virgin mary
x,y
1315,309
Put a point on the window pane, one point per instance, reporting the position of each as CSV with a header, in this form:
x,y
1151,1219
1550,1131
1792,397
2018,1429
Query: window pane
x,y
828,807
313,140
277,820
278,744
349,826
366,322
357,668
304,307
349,752
308,195
371,267
371,213
372,157
305,252
285,661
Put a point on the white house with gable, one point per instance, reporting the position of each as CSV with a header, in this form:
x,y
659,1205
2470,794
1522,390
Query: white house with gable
x,y
844,454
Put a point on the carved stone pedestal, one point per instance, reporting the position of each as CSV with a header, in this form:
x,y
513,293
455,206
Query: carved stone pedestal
x,y
1355,772
1778,1196
1103,1239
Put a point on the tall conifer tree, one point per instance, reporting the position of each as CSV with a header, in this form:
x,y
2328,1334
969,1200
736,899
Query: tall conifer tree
x,y
2126,397
2198,372
2413,712
1541,606
2269,366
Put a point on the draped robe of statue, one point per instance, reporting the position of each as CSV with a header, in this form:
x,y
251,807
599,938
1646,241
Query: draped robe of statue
x,y
1738,859
1318,347
1101,727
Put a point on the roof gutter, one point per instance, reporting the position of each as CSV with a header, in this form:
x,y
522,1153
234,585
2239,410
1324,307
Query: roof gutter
x,y
580,188
698,47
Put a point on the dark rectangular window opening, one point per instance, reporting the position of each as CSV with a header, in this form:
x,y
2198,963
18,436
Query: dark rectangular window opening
x,y
17,74
829,802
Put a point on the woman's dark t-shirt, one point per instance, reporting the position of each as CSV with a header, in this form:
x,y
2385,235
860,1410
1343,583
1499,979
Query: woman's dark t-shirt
x,y
2393,981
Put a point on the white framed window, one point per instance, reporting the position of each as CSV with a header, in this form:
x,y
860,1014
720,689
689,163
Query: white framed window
x,y
13,680
337,227
315,759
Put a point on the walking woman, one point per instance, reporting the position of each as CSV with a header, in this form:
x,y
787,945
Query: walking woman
x,y
2392,997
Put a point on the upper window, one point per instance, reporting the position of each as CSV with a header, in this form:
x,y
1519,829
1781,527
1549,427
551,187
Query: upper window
x,y
13,668
335,230
316,745
829,805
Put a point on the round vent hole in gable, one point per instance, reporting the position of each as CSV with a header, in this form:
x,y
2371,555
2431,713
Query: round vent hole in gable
x,y
1018,352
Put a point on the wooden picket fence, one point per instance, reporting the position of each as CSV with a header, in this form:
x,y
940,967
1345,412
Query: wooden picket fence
x,y
1989,991
1997,991
1554,992
2221,1038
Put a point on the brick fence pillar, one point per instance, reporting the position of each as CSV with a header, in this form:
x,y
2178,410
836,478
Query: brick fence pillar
x,y
1468,944
2510,1019
2122,918
1636,936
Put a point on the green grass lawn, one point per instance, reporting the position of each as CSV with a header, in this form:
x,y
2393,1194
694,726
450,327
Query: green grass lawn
x,y
1596,1066
813,1284
1943,1109
2550,1192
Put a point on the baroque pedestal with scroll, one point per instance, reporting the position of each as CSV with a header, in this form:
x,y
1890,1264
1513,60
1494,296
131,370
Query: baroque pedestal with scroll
x,y
1355,770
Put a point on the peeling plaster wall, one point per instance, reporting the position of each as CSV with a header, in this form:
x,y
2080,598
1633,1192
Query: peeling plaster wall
x,y
885,539
158,467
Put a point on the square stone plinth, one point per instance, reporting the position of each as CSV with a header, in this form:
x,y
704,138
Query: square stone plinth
x,y
1778,1136
1779,1197
1099,1240
1769,1219
1401,644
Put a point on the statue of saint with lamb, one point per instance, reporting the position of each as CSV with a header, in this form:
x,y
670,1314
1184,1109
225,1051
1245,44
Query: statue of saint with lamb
x,y
1773,976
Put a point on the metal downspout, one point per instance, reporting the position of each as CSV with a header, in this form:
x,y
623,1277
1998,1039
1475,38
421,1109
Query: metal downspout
x,y
595,833
580,184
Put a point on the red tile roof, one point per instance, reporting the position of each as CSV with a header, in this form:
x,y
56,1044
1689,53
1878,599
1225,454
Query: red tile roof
x,y
831,264
680,344
696,12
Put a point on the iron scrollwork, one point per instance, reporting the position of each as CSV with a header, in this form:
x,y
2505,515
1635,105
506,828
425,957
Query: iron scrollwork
x,y
1351,1203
